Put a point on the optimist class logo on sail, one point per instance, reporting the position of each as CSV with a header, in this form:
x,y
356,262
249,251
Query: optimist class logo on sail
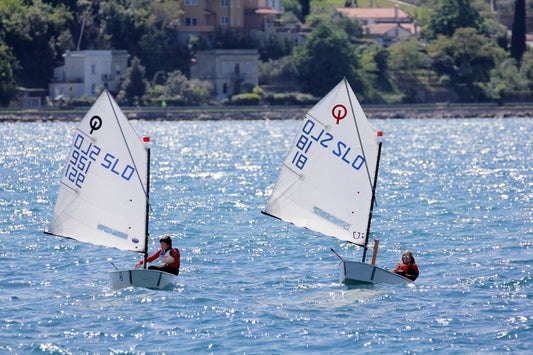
x,y
315,132
339,112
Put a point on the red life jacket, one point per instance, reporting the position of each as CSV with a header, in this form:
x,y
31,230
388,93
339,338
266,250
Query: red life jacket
x,y
408,270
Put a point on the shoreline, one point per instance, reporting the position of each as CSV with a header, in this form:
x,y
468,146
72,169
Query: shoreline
x,y
433,111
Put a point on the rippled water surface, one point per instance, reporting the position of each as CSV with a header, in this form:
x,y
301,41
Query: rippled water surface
x,y
458,193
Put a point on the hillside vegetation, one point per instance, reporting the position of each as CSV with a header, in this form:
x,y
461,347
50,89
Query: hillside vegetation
x,y
462,53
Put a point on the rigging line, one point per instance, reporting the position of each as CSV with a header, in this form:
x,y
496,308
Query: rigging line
x,y
128,147
316,119
358,134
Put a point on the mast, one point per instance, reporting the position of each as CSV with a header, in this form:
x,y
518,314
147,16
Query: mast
x,y
145,252
373,199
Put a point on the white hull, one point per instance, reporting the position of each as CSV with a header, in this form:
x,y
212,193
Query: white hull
x,y
357,272
140,278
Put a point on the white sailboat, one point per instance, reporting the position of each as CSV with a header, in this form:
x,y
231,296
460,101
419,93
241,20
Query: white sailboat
x,y
327,182
103,196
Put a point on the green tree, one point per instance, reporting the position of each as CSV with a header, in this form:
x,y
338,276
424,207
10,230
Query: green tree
x,y
292,6
407,64
146,29
176,84
227,39
329,16
526,69
518,39
505,81
465,60
273,47
123,25
374,72
374,63
37,35
325,59
497,32
306,9
450,15
190,92
407,55
280,73
8,83
134,86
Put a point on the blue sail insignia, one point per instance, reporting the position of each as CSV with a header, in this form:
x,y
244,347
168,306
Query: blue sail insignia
x,y
331,218
110,230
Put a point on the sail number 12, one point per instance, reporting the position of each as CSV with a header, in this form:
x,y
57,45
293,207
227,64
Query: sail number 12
x,y
82,156
80,160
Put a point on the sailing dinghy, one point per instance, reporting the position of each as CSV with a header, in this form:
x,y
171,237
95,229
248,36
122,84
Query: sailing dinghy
x,y
327,181
103,196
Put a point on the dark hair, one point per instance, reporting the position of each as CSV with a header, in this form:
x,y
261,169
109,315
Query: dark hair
x,y
167,240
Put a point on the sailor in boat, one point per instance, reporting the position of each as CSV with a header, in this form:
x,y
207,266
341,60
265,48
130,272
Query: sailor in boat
x,y
407,267
170,257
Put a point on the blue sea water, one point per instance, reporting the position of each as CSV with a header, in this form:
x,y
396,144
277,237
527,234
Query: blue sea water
x,y
458,193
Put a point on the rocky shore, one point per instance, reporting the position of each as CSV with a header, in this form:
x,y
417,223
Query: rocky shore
x,y
276,113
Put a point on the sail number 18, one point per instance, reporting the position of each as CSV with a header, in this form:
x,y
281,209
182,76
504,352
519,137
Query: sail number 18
x,y
324,139
303,144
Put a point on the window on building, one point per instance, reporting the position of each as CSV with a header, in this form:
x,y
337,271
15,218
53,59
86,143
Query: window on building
x,y
191,2
225,88
224,3
224,20
93,69
191,21
237,68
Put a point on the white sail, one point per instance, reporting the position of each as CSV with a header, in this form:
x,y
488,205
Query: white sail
x,y
325,183
103,192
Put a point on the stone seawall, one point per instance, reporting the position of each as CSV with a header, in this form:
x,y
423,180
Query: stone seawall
x,y
273,113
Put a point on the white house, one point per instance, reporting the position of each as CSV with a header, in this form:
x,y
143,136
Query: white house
x,y
231,71
88,72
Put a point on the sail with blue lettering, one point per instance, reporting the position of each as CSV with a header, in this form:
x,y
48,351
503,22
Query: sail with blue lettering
x,y
103,193
326,181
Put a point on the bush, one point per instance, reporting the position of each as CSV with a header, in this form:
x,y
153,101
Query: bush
x,y
245,99
83,101
281,72
170,101
292,98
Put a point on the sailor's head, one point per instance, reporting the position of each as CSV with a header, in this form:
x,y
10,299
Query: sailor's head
x,y
408,258
166,242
